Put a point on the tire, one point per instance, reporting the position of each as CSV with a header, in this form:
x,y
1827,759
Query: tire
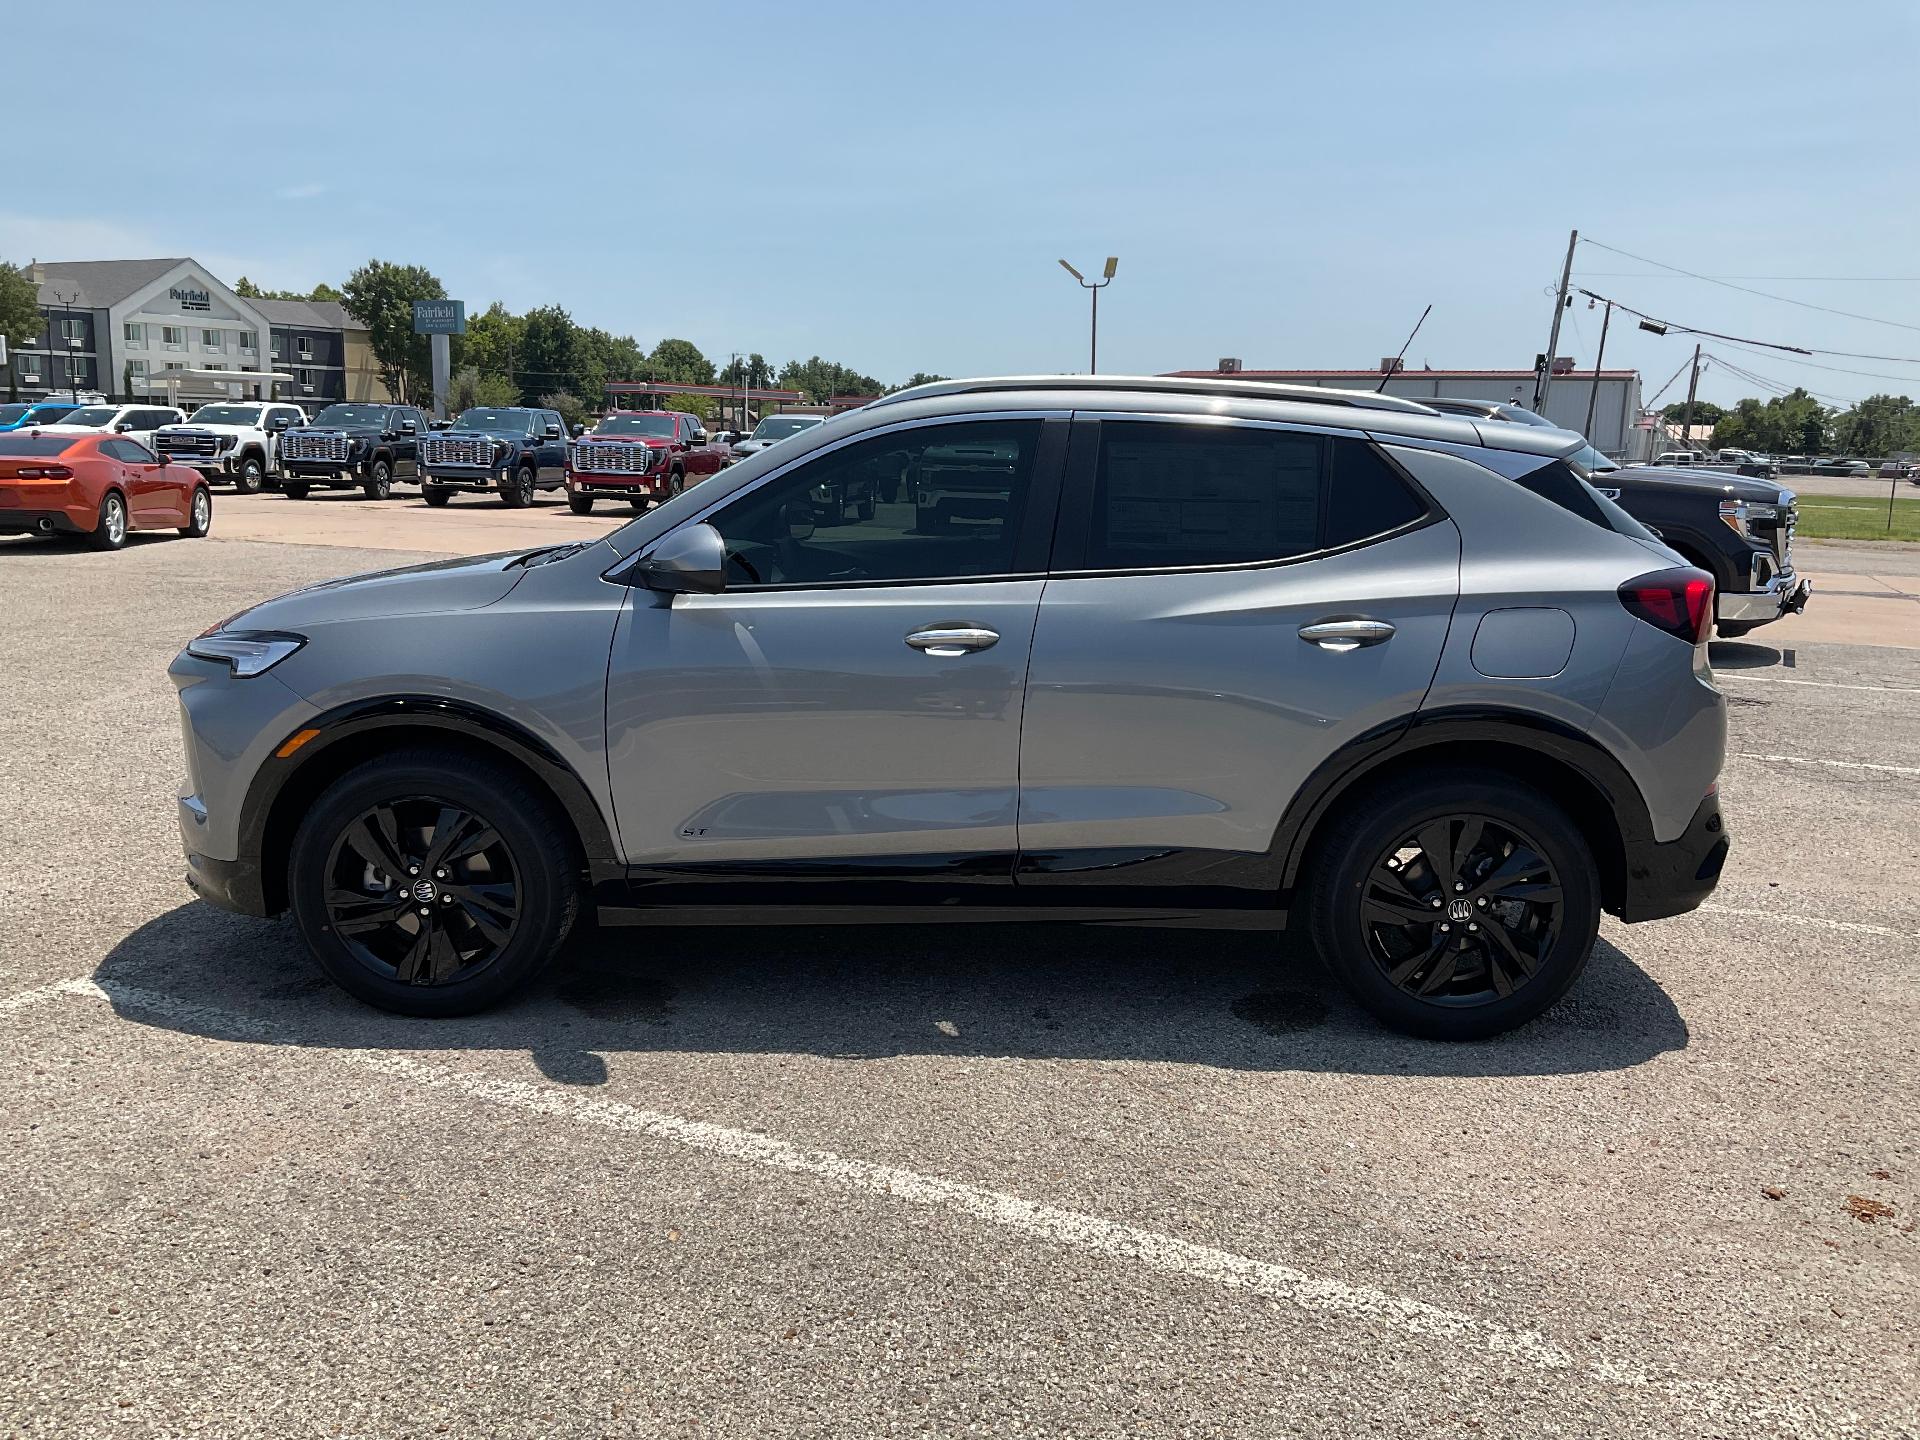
x,y
580,504
250,476
110,530
638,502
512,914
379,484
1374,857
1733,631
676,483
864,510
930,522
436,495
295,489
517,492
199,514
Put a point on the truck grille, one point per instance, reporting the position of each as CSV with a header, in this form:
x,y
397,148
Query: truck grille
x,y
315,447
197,445
456,450
612,459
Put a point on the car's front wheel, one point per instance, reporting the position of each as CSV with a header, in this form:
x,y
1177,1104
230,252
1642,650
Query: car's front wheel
x,y
580,504
517,490
379,484
251,476
1458,906
436,495
433,884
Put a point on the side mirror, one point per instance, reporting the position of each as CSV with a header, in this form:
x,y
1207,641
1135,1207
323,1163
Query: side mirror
x,y
692,561
552,432
409,427
125,427
277,424
578,431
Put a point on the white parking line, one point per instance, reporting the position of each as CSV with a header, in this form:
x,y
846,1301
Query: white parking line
x,y
1819,921
1836,764
1071,1229
1817,684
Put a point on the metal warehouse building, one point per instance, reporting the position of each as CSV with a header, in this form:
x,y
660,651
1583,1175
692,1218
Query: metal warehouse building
x,y
1617,408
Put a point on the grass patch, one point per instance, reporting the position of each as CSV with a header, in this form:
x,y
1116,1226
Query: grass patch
x,y
1848,517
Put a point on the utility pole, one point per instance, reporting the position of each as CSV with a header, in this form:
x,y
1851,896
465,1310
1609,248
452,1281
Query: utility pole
x,y
1593,395
1686,417
1545,382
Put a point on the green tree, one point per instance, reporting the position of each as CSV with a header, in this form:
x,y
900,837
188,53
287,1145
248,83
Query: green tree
x,y
20,318
247,290
572,408
469,387
549,356
495,339
1878,426
920,377
1783,424
681,361
820,380
1705,412
380,296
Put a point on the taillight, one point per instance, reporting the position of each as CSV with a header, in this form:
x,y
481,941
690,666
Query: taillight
x,y
1678,601
44,472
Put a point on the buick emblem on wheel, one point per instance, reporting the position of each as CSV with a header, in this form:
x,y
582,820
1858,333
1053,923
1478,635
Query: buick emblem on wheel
x,y
1458,911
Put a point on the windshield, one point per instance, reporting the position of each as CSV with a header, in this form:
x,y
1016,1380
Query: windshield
x,y
227,415
779,427
11,413
94,416
374,415
636,425
486,417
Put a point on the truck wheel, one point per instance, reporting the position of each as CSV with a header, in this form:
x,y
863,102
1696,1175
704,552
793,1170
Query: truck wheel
x,y
1455,906
294,489
433,883
436,495
638,502
251,475
930,521
865,509
379,484
580,504
517,493
676,482
1733,631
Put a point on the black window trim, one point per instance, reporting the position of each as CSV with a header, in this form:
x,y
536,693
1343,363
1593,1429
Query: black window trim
x,y
1073,535
1031,546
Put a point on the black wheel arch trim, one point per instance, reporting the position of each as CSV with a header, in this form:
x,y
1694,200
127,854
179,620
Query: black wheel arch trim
x,y
1391,743
417,713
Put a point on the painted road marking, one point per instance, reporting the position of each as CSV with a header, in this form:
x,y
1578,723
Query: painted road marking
x,y
1850,926
1820,684
1071,1229
1836,764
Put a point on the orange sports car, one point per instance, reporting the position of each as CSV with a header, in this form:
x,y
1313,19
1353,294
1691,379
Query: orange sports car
x,y
100,486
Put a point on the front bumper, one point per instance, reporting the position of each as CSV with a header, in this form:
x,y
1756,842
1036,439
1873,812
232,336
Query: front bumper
x,y
631,487
1674,877
230,884
463,477
1786,593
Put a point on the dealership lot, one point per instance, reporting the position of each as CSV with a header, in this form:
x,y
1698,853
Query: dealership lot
x,y
948,1179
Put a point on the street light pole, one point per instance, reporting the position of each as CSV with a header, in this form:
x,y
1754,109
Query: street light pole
x,y
66,323
1096,286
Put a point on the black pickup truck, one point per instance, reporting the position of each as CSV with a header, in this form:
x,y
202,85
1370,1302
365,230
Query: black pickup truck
x,y
352,444
1737,528
511,450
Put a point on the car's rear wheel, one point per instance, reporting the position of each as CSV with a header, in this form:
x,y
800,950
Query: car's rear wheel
x,y
379,484
433,884
517,490
250,476
1456,906
110,530
436,495
199,514
580,504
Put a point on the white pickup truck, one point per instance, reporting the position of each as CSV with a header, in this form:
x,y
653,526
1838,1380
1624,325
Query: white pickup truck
x,y
235,440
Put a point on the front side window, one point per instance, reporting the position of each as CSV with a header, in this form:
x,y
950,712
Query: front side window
x,y
934,502
1173,496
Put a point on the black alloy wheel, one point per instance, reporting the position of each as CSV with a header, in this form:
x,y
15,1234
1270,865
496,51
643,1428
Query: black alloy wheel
x,y
1461,912
379,484
434,882
422,892
518,490
1456,904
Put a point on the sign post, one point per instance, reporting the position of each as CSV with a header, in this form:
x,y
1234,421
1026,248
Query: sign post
x,y
439,320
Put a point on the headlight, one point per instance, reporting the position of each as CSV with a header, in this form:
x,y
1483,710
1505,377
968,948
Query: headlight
x,y
227,442
247,652
1733,514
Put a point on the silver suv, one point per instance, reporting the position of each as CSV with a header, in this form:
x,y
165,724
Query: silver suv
x,y
1216,652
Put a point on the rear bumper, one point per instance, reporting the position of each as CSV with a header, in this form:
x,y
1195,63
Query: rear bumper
x,y
1674,877
1784,594
46,522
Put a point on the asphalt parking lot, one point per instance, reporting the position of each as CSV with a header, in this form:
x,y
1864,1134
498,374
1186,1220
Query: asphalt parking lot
x,y
940,1180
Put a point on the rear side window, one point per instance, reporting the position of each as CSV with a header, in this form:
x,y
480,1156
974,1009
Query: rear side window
x,y
1172,496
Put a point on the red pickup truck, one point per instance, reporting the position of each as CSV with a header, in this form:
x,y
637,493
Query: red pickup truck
x,y
640,456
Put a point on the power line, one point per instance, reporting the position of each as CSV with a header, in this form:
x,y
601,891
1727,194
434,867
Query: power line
x,y
1862,279
1675,326
1780,387
1748,290
1669,385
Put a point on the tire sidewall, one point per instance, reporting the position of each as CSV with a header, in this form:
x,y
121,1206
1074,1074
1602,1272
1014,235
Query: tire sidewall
x,y
251,477
544,878
1387,815
102,536
194,528
380,480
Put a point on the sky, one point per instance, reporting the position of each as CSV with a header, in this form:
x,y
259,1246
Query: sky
x,y
891,185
